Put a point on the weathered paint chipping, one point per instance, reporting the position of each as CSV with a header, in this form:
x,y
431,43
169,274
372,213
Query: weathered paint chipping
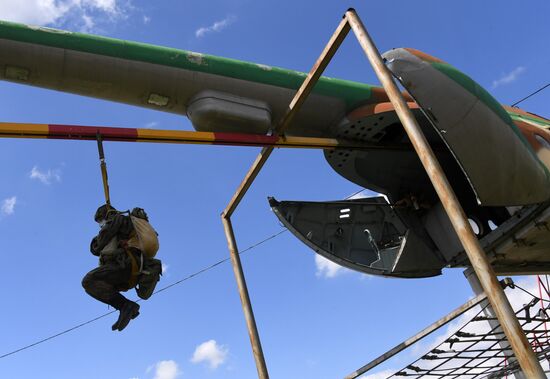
x,y
269,68
196,58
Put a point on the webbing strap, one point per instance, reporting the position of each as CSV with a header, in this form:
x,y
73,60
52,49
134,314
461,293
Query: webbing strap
x,y
103,166
136,269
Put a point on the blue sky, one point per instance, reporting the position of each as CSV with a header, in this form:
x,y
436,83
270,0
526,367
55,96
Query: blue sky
x,y
315,321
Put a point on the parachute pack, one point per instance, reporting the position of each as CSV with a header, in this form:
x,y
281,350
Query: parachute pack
x,y
144,237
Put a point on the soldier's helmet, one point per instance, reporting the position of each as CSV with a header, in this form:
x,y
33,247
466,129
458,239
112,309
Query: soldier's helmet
x,y
104,212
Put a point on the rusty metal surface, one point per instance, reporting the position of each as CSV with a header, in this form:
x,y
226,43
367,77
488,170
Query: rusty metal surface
x,y
478,259
314,74
299,98
245,300
247,181
420,335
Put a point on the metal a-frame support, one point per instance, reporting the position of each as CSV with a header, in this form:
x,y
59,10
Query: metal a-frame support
x,y
488,280
293,107
419,336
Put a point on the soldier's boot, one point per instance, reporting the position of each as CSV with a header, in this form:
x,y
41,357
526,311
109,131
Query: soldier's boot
x,y
129,311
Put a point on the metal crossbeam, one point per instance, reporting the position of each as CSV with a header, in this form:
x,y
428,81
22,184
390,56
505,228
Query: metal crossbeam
x,y
90,133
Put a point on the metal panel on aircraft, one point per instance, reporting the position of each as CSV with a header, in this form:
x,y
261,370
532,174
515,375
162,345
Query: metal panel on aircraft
x,y
501,166
365,235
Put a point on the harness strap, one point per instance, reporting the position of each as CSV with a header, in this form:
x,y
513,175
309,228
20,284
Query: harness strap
x,y
136,269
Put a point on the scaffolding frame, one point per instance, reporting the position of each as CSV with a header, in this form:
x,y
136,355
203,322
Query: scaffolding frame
x,y
478,259
479,349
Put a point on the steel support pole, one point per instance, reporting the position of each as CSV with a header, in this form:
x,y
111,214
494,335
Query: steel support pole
x,y
523,352
297,101
420,335
257,350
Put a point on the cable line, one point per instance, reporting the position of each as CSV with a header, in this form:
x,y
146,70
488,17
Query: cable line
x,y
201,271
532,94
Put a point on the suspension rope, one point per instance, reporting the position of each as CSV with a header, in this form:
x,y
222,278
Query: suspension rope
x,y
103,166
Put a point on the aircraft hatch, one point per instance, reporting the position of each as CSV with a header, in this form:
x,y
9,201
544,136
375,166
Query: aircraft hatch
x,y
366,235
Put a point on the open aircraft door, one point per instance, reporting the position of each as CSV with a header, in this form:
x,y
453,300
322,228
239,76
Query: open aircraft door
x,y
366,235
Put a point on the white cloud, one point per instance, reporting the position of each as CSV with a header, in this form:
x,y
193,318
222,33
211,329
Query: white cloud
x,y
218,26
109,6
167,370
88,23
327,268
152,124
81,14
211,353
146,19
46,177
8,205
363,194
40,12
509,77
164,268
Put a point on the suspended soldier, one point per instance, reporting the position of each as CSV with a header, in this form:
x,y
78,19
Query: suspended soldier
x,y
126,246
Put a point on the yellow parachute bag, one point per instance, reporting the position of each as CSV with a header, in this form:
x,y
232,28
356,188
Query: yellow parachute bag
x,y
144,238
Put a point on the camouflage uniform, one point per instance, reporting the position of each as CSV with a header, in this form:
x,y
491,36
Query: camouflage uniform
x,y
114,273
